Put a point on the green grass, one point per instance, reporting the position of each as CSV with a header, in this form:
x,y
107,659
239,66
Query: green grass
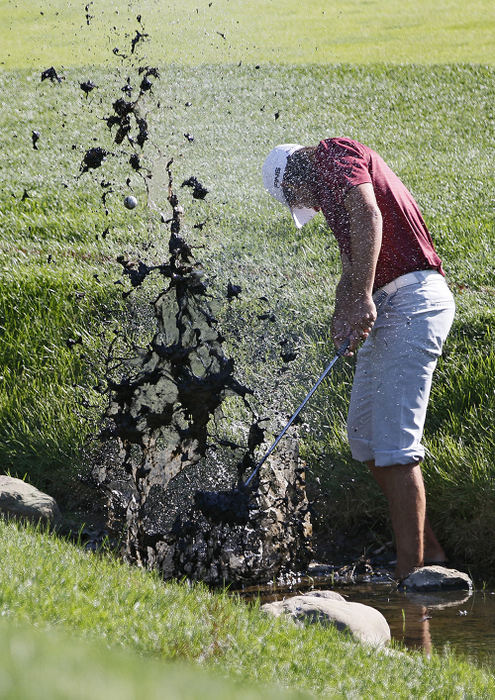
x,y
59,589
61,667
434,124
189,32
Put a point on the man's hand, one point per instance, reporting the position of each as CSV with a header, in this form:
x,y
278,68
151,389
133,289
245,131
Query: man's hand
x,y
362,316
341,330
354,322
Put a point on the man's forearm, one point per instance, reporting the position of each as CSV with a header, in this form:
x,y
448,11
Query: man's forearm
x,y
343,291
366,240
365,229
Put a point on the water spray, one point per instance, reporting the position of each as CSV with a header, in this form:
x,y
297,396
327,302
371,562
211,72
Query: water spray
x,y
233,506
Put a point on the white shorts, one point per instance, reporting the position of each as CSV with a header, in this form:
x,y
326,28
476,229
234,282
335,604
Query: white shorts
x,y
395,366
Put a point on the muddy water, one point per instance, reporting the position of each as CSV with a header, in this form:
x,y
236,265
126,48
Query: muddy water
x,y
460,621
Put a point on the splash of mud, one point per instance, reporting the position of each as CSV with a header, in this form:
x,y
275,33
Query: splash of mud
x,y
179,423
164,410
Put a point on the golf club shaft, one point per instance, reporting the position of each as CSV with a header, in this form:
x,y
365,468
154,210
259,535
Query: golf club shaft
x,y
341,351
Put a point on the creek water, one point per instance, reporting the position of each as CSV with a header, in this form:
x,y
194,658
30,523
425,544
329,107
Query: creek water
x,y
462,622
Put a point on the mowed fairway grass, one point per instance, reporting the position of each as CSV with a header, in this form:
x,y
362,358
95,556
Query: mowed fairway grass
x,y
434,124
254,31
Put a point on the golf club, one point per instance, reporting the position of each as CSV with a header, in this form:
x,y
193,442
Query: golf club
x,y
232,506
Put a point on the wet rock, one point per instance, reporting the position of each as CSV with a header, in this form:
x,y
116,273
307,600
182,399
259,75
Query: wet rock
x,y
435,578
19,499
363,622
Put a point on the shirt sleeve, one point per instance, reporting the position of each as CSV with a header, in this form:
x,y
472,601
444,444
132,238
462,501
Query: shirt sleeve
x,y
344,164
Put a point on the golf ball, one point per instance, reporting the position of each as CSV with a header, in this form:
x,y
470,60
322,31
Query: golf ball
x,y
130,202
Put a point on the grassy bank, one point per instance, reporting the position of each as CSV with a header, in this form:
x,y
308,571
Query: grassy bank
x,y
55,586
62,667
434,127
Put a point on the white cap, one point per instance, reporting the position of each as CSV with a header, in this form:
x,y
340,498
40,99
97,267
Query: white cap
x,y
273,174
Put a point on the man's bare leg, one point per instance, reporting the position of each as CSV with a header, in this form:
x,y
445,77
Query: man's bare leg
x,y
434,553
432,549
404,489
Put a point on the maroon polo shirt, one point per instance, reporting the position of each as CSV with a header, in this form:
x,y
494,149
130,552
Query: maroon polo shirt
x,y
406,242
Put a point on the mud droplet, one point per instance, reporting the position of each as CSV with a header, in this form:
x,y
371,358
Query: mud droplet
x,y
134,162
146,84
51,74
89,17
233,290
93,159
87,87
140,36
199,191
143,132
288,356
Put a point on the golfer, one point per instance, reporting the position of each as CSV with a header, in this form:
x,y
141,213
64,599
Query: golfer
x,y
392,294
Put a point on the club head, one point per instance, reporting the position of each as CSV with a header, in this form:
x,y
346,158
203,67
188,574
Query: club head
x,y
231,507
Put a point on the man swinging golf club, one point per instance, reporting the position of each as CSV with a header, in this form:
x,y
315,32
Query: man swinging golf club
x,y
392,294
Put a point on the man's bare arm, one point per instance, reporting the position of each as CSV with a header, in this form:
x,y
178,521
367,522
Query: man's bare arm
x,y
355,311
365,221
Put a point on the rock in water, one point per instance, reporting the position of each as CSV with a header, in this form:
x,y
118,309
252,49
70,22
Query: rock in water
x,y
21,500
436,578
364,623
